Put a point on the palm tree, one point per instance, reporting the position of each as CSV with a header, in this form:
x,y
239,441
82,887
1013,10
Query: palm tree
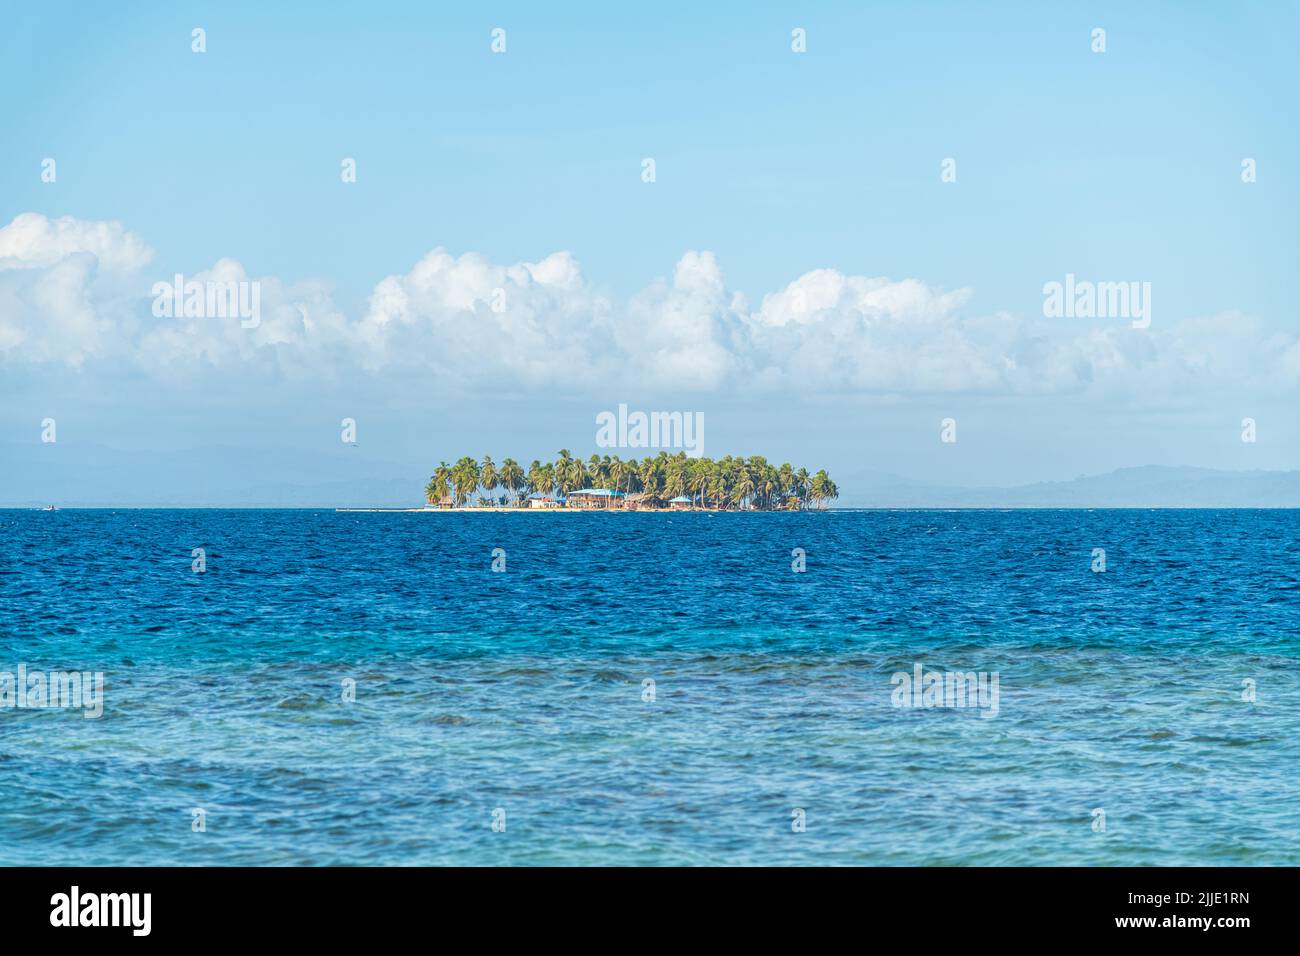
x,y
536,475
822,488
512,478
562,471
464,477
676,481
620,472
801,485
700,474
488,476
785,480
439,485
719,485
744,487
769,484
648,472
569,472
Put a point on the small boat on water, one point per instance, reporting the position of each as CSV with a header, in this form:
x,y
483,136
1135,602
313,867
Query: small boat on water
x,y
49,508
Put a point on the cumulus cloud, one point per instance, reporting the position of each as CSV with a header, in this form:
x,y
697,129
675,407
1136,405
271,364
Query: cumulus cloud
x,y
76,292
687,333
873,334
299,332
61,286
32,241
470,321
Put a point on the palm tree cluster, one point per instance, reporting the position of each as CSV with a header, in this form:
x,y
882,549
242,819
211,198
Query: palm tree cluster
x,y
728,483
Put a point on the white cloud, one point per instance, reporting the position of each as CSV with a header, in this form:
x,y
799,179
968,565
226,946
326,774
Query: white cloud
x,y
32,241
470,321
300,333
685,334
76,292
60,284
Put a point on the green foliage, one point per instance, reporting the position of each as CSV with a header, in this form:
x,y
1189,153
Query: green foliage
x,y
729,483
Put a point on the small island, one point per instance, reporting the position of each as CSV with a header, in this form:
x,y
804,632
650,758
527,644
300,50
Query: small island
x,y
662,483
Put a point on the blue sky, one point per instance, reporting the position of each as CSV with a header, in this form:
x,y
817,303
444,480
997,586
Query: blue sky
x,y
1115,166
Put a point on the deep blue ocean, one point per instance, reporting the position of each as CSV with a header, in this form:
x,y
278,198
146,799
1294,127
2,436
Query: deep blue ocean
x,y
520,696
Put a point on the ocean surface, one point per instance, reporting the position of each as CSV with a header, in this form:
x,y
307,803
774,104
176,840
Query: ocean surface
x,y
520,697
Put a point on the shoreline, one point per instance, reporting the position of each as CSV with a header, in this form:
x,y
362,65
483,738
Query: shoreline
x,y
18,508
571,511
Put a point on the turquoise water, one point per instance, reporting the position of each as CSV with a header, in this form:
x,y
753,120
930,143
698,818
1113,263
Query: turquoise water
x,y
524,692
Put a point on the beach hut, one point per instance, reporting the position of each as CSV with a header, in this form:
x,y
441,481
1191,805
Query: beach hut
x,y
680,503
642,500
539,500
591,498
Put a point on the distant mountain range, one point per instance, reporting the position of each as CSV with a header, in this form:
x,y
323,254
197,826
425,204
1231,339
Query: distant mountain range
x,y
1148,486
93,476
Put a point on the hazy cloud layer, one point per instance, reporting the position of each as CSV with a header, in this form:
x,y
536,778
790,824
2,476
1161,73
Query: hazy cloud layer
x,y
78,293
